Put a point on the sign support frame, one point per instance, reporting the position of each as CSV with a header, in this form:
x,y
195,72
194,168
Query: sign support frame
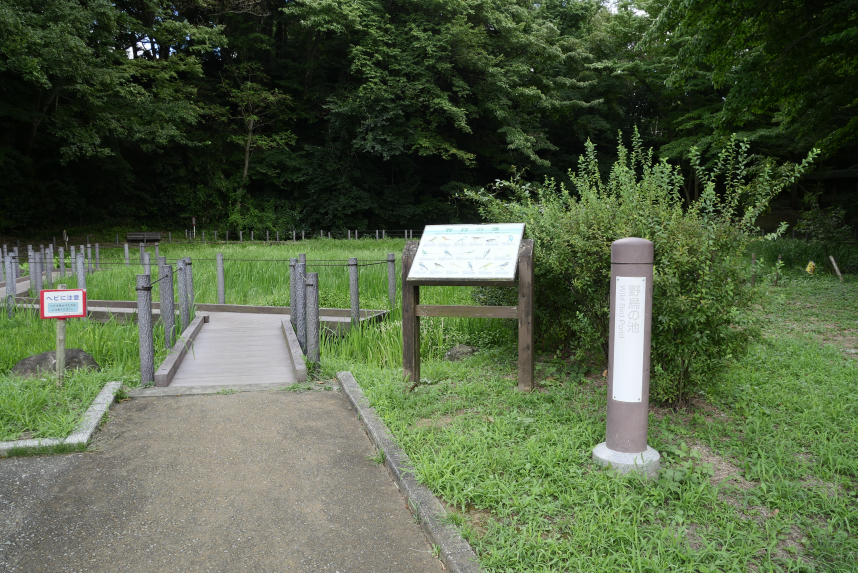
x,y
412,310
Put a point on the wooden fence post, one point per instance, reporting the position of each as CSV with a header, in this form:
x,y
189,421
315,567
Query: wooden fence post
x,y
81,271
36,274
312,312
836,268
525,316
168,307
49,268
753,269
189,283
184,311
11,285
300,303
354,290
144,328
410,320
391,279
293,281
221,284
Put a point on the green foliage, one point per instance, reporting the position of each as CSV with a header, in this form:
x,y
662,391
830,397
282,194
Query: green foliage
x,y
826,225
701,294
788,68
796,253
180,109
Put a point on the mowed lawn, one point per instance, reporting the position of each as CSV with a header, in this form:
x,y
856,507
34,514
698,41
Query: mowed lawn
x,y
759,474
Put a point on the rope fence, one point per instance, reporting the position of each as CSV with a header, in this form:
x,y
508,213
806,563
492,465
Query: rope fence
x,y
303,299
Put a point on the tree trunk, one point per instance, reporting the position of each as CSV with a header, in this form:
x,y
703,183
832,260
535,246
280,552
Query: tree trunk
x,y
41,109
247,151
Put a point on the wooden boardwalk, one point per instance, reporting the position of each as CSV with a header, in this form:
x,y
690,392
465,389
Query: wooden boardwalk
x,y
237,348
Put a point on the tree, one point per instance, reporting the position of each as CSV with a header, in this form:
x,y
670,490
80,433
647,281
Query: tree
x,y
256,107
71,93
790,68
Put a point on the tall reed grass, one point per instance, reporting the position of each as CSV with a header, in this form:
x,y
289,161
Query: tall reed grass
x,y
258,274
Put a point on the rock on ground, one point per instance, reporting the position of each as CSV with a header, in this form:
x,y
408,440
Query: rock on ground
x,y
459,351
33,366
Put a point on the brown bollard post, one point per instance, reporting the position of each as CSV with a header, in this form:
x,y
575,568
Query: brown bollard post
x,y
625,448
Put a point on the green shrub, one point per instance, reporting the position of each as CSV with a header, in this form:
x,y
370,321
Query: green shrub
x,y
827,226
701,288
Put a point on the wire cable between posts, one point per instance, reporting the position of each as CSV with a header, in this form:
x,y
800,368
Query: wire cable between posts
x,y
310,262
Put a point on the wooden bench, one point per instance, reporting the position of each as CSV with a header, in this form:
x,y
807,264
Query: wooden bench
x,y
143,237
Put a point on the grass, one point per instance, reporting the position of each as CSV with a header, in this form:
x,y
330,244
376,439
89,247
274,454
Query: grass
x,y
37,408
258,274
795,254
760,474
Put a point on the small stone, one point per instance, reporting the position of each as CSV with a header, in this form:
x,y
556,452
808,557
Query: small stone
x,y
33,366
459,351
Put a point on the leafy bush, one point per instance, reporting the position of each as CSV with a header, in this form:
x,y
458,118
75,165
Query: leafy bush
x,y
701,288
828,225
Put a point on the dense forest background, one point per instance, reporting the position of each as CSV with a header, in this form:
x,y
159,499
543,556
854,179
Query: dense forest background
x,y
277,114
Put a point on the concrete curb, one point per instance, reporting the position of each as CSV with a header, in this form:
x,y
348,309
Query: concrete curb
x,y
173,391
295,353
165,373
84,430
456,554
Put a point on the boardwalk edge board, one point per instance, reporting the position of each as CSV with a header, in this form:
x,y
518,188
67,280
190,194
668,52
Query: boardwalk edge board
x,y
455,553
176,391
295,354
165,373
82,432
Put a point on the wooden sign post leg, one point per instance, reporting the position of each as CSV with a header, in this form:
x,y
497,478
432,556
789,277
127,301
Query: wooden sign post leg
x,y
525,316
410,320
61,346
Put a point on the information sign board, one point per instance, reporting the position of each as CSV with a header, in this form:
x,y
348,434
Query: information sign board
x,y
629,314
468,252
62,303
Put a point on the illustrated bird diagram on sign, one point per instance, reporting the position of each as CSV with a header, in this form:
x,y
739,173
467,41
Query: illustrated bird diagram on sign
x,y
462,252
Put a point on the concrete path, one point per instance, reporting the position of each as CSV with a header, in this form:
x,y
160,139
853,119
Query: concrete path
x,y
263,481
237,348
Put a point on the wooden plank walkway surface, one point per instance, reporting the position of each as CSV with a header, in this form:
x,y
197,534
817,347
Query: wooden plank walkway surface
x,y
237,348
